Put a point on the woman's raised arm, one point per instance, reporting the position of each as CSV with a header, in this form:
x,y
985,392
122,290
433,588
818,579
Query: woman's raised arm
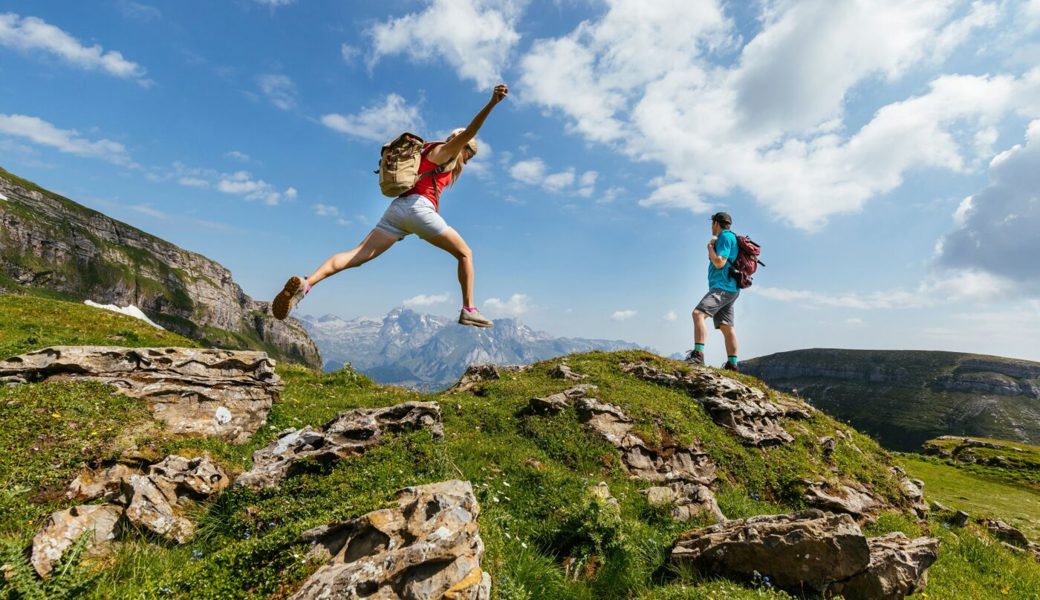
x,y
445,152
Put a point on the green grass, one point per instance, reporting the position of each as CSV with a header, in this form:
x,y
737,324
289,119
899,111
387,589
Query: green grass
x,y
531,475
30,323
978,495
1015,462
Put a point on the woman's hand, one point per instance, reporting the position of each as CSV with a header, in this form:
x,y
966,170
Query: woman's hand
x,y
499,94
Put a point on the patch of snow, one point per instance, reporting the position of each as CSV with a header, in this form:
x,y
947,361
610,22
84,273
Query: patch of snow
x,y
129,310
223,415
2,196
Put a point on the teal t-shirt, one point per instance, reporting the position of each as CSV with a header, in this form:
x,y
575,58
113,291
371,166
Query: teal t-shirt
x,y
726,247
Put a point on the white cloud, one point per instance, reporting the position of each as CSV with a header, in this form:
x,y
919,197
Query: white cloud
x,y
996,229
193,182
425,300
349,53
275,3
475,37
379,122
853,321
623,315
242,183
516,305
326,210
528,171
69,141
137,10
959,286
279,89
670,316
768,116
238,156
557,182
33,34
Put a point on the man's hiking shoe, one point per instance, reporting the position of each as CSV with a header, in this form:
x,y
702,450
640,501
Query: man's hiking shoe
x,y
288,297
474,318
694,358
730,367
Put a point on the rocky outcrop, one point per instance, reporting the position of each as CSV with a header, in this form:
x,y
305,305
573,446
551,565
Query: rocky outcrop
x,y
686,473
64,527
215,393
898,568
913,492
52,243
812,551
1011,537
564,371
476,375
349,434
744,411
428,547
851,499
150,498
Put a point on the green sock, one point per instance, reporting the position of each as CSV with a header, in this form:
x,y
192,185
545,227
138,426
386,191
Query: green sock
x,y
733,358
698,347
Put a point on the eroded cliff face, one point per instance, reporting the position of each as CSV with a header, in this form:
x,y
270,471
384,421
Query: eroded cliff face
x,y
907,397
50,242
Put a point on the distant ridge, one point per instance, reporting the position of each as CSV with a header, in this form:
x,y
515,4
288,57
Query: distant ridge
x,y
431,352
906,397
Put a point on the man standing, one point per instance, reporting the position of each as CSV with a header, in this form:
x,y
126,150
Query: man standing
x,y
722,293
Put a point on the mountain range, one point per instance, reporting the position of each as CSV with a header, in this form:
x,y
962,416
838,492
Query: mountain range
x,y
430,352
906,397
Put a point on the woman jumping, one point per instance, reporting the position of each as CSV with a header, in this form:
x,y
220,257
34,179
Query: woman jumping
x,y
415,211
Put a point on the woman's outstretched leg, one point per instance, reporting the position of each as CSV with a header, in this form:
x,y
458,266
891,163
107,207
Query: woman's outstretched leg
x,y
374,244
451,242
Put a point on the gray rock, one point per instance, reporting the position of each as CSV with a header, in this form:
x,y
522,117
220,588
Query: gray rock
x,y
898,568
809,550
64,527
558,402
428,547
601,491
960,519
1006,533
350,433
475,375
151,509
744,411
686,501
850,499
108,483
563,371
913,491
208,392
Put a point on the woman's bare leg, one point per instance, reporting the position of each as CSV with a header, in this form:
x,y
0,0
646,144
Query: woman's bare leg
x,y
374,244
453,243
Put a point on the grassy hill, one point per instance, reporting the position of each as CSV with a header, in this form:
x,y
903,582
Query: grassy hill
x,y
904,398
531,475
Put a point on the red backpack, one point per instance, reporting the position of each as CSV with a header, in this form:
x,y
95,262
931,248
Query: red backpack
x,y
747,261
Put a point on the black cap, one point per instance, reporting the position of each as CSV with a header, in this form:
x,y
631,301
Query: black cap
x,y
722,217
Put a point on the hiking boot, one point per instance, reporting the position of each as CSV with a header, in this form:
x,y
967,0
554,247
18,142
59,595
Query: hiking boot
x,y
474,318
694,357
288,297
730,367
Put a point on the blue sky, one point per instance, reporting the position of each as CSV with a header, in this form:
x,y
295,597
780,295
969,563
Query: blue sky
x,y
885,154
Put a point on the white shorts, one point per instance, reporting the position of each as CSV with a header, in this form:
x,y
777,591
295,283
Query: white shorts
x,y
412,214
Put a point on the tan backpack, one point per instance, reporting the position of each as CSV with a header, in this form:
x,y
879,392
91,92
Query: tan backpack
x,y
399,165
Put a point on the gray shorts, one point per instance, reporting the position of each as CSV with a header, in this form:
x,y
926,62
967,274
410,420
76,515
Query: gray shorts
x,y
718,304
412,214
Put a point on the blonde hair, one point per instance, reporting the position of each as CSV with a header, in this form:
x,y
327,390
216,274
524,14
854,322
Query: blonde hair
x,y
456,169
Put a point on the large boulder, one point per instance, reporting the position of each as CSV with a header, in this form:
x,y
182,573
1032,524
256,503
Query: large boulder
x,y
64,527
742,410
349,434
898,568
209,392
808,550
476,375
428,547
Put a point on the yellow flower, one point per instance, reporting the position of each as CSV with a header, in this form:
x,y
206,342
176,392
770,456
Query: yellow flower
x,y
56,415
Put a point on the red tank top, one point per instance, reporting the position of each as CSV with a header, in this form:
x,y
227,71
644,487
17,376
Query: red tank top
x,y
425,186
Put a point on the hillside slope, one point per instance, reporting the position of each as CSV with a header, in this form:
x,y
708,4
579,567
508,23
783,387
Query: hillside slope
x,y
547,531
904,398
49,243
